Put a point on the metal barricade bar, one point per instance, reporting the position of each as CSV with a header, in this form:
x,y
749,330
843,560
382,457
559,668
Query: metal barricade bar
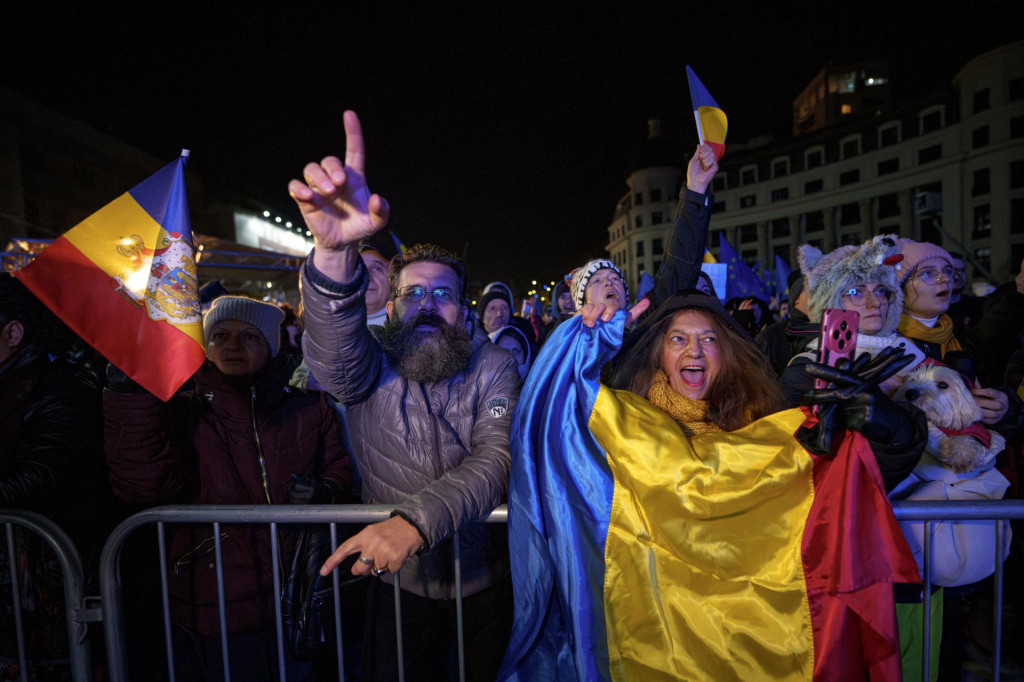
x,y
73,576
233,514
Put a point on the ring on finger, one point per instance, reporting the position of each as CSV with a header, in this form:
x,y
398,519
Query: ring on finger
x,y
366,560
379,571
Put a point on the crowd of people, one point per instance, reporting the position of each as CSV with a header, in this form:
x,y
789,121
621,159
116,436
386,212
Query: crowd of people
x,y
388,387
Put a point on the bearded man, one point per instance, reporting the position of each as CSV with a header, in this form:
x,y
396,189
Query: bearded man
x,y
428,409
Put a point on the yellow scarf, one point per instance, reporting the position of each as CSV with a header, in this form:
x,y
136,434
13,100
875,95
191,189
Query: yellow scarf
x,y
691,414
941,334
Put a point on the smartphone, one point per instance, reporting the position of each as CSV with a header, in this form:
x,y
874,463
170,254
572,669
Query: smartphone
x,y
838,339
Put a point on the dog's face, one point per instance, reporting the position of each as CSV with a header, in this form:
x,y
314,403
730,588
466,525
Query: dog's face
x,y
941,394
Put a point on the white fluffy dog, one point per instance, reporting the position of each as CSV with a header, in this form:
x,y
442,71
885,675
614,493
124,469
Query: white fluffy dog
x,y
943,395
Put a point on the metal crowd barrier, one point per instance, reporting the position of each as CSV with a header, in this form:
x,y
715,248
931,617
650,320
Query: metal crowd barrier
x,y
78,615
251,514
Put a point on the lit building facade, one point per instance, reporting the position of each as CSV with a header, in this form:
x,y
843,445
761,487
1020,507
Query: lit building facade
x,y
949,170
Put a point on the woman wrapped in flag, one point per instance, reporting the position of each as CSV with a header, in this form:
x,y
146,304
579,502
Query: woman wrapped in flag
x,y
673,524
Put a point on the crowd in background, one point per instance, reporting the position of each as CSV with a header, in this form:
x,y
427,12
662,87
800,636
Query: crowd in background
x,y
336,403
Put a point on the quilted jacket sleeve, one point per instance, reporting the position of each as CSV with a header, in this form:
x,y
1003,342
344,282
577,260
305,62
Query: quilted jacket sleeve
x,y
341,353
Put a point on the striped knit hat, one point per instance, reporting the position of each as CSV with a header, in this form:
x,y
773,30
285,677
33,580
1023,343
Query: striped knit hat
x,y
580,276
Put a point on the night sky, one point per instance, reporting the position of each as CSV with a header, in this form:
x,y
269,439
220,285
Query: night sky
x,y
503,132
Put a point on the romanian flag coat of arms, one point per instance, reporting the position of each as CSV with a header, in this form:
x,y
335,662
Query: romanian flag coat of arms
x,y
124,279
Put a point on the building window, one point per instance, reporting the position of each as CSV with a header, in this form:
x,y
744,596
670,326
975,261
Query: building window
x,y
1016,88
889,135
638,221
1016,218
748,233
638,199
932,120
780,168
929,154
748,201
813,221
849,214
748,176
639,248
656,247
890,166
814,158
780,193
780,228
655,195
979,138
850,147
981,183
849,177
656,218
657,265
718,184
982,222
719,207
814,186
888,205
1017,174
1017,127
639,268
981,100
983,257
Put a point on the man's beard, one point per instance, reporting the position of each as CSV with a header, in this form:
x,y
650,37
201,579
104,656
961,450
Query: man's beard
x,y
426,356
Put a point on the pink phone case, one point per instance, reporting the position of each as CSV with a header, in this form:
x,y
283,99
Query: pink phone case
x,y
838,338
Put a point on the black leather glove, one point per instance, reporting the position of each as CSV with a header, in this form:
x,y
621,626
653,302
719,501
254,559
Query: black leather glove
x,y
854,401
311,490
119,382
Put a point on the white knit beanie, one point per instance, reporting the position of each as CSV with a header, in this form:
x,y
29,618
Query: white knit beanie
x,y
266,317
580,277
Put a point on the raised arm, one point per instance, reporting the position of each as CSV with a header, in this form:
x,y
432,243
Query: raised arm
x,y
338,207
681,265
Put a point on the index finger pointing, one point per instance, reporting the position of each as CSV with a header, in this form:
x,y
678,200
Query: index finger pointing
x,y
355,152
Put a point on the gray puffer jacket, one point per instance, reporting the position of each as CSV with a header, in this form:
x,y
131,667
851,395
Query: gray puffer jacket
x,y
437,451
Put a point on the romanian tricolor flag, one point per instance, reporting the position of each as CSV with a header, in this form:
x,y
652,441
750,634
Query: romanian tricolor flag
x,y
642,554
124,279
712,123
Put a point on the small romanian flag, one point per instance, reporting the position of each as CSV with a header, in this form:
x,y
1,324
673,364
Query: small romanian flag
x,y
712,123
642,554
124,279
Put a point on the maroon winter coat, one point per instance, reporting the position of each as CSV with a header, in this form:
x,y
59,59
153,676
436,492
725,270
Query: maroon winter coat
x,y
206,447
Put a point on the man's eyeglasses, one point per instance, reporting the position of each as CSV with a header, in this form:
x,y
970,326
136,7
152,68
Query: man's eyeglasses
x,y
935,275
859,295
416,293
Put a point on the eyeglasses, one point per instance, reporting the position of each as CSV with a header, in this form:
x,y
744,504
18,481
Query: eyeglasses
x,y
859,295
933,275
416,293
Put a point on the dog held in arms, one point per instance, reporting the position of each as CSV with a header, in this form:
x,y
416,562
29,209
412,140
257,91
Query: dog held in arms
x,y
955,435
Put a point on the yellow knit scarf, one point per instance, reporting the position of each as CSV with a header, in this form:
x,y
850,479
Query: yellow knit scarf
x,y
691,414
941,334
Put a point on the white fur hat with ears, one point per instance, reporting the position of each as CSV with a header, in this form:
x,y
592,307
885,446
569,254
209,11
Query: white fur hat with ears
x,y
831,275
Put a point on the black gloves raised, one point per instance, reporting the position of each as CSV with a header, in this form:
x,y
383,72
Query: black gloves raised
x,y
854,401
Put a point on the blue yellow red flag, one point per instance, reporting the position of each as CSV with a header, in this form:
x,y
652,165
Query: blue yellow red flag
x,y
124,279
712,122
644,554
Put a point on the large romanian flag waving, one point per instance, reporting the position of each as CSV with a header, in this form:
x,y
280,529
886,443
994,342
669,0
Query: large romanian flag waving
x,y
124,279
645,555
712,122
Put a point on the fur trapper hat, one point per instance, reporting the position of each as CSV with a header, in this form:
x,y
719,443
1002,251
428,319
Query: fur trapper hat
x,y
829,276
917,252
580,277
266,317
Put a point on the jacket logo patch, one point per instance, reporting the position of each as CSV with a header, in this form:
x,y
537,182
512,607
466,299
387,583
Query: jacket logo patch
x,y
498,407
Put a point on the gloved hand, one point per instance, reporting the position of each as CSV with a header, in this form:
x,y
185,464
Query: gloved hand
x,y
854,401
311,490
119,382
